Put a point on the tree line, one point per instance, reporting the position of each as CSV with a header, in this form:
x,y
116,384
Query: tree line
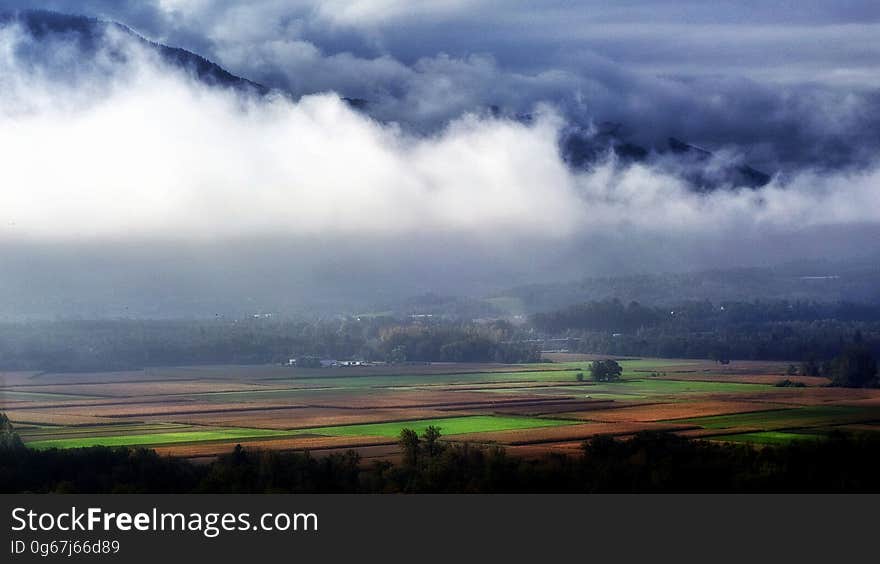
x,y
778,330
135,344
772,330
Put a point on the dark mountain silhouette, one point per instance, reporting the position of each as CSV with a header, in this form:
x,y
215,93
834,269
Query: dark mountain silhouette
x,y
736,175
583,147
88,36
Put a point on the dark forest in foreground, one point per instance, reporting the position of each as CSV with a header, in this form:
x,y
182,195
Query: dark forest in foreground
x,y
648,462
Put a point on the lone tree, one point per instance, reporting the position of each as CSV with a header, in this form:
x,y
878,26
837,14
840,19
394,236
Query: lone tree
x,y
397,355
856,367
410,444
9,439
605,370
431,438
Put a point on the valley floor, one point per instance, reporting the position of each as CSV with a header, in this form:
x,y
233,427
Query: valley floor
x,y
200,412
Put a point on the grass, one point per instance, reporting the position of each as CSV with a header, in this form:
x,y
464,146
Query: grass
x,y
448,426
658,386
629,366
110,429
643,388
768,437
12,395
300,386
215,434
443,379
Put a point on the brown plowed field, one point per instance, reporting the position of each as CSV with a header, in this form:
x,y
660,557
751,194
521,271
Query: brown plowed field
x,y
287,443
146,389
299,418
47,417
669,411
564,433
809,396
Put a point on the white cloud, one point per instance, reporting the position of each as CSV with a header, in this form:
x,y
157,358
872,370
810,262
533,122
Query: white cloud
x,y
161,156
147,153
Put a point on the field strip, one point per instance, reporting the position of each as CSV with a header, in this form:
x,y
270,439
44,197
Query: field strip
x,y
184,410
48,394
573,432
472,423
448,426
468,386
547,402
766,437
43,417
102,382
476,404
671,411
197,450
96,403
103,431
760,379
524,384
212,410
791,418
410,373
146,439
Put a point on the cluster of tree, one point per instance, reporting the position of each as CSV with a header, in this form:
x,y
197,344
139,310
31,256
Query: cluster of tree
x,y
459,342
857,282
613,316
605,370
855,367
9,439
608,315
649,462
131,344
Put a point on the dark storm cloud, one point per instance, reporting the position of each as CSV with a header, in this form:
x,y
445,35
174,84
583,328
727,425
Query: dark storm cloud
x,y
785,84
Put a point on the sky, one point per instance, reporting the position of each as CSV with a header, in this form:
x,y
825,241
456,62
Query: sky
x,y
129,183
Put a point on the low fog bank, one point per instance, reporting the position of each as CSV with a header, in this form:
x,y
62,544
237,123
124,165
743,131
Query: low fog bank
x,y
319,277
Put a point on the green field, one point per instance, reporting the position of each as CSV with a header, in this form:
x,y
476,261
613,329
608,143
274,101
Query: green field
x,y
39,433
768,438
629,366
642,388
448,426
214,434
396,380
301,386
